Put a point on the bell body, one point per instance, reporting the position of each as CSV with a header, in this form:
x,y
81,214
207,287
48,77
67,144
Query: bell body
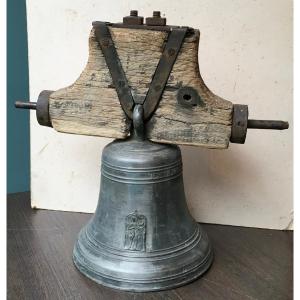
x,y
142,236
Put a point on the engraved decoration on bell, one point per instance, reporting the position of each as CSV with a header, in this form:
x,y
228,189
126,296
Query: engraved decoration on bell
x,y
135,232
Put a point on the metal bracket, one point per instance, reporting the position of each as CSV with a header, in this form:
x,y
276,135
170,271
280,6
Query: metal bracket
x,y
163,70
115,68
161,75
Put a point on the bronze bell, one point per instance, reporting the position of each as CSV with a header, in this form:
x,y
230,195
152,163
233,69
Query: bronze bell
x,y
142,236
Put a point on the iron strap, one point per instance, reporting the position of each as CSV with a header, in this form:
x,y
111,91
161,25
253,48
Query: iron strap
x,y
160,77
115,68
163,70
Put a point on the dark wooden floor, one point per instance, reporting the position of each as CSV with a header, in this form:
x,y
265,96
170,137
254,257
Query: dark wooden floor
x,y
249,263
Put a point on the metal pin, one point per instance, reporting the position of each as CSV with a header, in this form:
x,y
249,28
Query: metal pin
x,y
25,105
267,124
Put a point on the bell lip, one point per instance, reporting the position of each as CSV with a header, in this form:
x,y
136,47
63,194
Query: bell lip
x,y
137,289
148,284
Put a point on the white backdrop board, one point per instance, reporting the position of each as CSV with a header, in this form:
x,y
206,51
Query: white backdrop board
x,y
245,56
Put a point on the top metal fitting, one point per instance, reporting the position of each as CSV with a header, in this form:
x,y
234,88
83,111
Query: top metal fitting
x,y
133,18
156,20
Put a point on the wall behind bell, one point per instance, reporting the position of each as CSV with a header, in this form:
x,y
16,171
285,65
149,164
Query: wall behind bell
x,y
245,56
18,169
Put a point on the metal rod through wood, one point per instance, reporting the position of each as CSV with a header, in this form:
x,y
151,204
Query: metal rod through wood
x,y
267,124
25,105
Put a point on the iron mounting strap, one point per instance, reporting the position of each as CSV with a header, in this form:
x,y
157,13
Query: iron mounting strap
x,y
160,77
163,70
115,67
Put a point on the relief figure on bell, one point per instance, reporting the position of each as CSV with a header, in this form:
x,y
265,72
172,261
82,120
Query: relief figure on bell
x,y
135,232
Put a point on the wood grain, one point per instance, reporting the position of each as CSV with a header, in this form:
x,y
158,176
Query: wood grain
x,y
91,106
249,263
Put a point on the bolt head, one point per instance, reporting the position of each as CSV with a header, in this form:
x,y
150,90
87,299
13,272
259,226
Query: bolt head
x,y
133,13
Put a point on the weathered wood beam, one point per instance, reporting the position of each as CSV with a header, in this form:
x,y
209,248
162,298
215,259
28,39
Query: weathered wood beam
x,y
91,106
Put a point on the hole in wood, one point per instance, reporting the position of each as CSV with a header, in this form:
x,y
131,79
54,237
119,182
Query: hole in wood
x,y
187,97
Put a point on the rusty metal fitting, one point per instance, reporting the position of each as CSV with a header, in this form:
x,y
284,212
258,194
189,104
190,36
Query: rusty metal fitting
x,y
240,124
41,107
268,124
133,13
133,18
156,20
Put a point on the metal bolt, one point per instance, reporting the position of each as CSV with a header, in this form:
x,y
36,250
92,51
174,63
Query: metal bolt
x,y
133,18
156,14
133,13
156,19
171,51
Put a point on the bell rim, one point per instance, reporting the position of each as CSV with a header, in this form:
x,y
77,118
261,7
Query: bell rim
x,y
153,289
147,284
187,278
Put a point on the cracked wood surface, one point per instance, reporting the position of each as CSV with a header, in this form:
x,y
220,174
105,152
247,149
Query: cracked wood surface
x,y
90,105
249,263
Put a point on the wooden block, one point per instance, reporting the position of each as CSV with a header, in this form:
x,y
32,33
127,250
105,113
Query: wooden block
x,y
91,106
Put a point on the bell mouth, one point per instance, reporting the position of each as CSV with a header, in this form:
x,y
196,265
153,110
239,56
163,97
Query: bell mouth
x,y
132,272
